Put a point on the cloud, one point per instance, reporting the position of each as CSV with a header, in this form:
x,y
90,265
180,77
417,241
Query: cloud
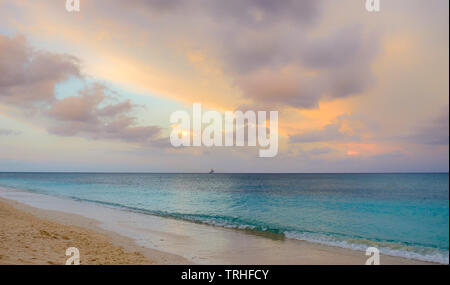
x,y
241,12
433,133
327,68
81,108
345,47
320,151
254,34
28,76
6,132
28,81
329,133
279,87
84,115
266,49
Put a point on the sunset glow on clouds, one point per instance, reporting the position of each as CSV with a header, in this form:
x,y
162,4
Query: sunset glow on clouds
x,y
93,91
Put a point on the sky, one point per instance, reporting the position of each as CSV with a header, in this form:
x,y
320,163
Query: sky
x,y
93,90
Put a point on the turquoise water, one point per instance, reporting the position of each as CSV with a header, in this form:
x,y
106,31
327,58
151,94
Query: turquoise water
x,y
401,214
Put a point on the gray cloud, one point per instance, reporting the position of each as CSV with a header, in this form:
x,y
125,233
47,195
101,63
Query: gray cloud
x,y
330,133
257,39
257,55
345,47
435,132
28,77
28,81
242,12
7,132
341,66
320,151
84,115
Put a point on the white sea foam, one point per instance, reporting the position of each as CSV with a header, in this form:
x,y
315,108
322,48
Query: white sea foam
x,y
417,253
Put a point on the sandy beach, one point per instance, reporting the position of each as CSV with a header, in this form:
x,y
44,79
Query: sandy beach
x,y
30,235
27,239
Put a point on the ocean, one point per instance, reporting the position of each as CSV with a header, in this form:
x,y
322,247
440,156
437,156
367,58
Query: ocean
x,y
403,215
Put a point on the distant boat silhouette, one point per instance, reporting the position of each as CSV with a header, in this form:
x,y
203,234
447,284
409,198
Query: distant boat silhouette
x,y
211,171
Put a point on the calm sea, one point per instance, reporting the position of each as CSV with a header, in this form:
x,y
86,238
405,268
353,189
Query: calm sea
x,y
401,214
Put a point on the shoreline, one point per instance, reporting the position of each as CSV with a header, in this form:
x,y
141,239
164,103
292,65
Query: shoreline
x,y
118,250
175,242
27,239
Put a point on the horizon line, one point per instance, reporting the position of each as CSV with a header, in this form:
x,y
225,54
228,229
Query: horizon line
x,y
149,172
